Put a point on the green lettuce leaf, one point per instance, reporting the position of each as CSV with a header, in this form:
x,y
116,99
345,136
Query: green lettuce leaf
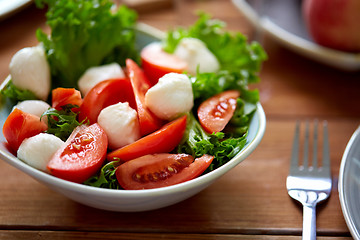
x,y
197,142
17,94
232,50
240,121
85,34
206,85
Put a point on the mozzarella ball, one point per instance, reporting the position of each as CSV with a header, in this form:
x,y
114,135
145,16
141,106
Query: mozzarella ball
x,y
38,150
94,75
120,123
30,70
35,107
171,96
197,55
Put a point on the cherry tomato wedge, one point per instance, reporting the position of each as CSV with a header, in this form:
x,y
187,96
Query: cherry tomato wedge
x,y
82,154
162,141
156,62
64,96
104,94
147,120
160,170
215,112
20,125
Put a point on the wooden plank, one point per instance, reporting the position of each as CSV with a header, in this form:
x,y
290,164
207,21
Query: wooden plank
x,y
143,6
28,235
312,90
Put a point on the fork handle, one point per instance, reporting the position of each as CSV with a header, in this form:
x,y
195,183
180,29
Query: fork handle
x,y
309,222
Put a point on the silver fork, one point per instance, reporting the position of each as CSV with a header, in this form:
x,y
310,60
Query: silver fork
x,y
309,184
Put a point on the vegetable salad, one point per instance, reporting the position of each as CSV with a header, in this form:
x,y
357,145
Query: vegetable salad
x,y
93,109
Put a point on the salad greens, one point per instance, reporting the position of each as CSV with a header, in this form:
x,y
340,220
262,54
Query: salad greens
x,y
85,34
61,123
106,178
231,49
239,123
14,93
222,145
197,143
206,85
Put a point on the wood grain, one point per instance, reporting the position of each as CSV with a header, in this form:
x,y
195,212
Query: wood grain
x,y
143,6
250,201
27,235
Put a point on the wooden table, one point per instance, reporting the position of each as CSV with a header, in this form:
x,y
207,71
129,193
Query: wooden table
x,y
249,202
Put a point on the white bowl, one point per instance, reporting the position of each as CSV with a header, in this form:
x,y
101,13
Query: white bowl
x,y
134,200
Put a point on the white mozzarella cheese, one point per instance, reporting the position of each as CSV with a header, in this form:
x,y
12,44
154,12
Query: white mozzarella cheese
x,y
94,75
171,96
38,150
120,123
35,107
30,70
197,55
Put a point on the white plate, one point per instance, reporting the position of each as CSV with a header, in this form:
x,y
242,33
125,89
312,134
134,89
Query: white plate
x,y
283,21
9,7
349,184
133,200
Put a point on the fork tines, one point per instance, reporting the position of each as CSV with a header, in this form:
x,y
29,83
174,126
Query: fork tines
x,y
307,140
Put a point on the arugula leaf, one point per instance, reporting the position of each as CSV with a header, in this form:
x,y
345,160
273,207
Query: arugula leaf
x,y
197,143
17,94
231,49
61,123
85,34
106,178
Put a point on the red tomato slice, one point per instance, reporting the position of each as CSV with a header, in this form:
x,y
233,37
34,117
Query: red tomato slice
x,y
147,120
216,112
82,154
161,141
160,170
104,94
64,96
20,125
156,62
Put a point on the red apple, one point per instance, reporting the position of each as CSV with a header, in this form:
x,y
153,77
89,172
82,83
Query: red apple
x,y
334,23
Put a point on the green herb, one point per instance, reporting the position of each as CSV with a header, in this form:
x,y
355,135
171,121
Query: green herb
x,y
61,123
106,178
197,143
17,94
231,49
85,34
240,121
206,85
